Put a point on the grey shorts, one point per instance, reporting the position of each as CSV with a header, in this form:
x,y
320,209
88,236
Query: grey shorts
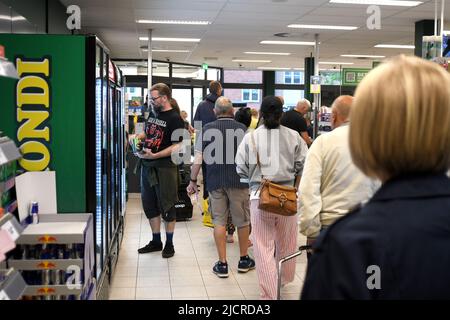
x,y
230,200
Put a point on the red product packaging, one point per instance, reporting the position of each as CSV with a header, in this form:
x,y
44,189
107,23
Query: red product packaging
x,y
2,51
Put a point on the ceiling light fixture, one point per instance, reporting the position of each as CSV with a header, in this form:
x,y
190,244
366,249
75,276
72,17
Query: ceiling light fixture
x,y
323,27
171,39
170,50
191,22
395,46
338,63
294,43
9,18
255,61
269,53
380,2
362,56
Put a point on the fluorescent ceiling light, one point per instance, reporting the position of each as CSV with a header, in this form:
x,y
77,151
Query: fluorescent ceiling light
x,y
193,22
380,2
361,56
256,61
167,50
342,63
273,68
9,18
324,27
269,53
395,46
171,39
295,43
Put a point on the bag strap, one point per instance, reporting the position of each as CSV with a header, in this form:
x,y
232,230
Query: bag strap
x,y
258,163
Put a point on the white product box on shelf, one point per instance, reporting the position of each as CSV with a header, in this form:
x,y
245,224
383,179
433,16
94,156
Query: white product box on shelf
x,y
39,187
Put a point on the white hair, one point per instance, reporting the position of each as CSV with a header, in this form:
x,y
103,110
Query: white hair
x,y
223,105
304,101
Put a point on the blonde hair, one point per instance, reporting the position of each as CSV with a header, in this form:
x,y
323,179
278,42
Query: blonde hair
x,y
400,119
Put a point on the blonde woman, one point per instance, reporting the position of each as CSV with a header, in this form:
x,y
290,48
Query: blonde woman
x,y
397,245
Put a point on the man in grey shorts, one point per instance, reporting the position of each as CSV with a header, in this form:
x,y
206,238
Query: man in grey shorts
x,y
217,146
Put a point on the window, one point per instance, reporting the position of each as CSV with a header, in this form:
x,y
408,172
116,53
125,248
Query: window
x,y
250,95
331,78
213,74
291,97
188,72
292,77
289,77
243,76
236,96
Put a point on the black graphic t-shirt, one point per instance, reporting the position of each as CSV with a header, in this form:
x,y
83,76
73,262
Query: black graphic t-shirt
x,y
159,129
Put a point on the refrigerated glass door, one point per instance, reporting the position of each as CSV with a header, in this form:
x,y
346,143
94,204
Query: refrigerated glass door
x,y
115,180
112,156
119,150
98,160
106,157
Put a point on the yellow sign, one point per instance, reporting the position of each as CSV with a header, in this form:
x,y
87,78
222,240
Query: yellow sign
x,y
33,105
315,84
315,88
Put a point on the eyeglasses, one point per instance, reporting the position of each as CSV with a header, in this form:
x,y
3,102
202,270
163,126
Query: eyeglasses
x,y
154,99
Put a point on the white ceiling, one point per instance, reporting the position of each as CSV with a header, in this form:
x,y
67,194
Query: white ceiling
x,y
239,25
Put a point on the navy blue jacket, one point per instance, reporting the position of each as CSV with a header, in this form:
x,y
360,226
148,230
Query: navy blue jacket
x,y
404,230
205,110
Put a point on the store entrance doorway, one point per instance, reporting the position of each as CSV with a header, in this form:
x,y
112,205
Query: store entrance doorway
x,y
188,98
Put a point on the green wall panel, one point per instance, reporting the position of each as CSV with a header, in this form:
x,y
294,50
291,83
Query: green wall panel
x,y
66,121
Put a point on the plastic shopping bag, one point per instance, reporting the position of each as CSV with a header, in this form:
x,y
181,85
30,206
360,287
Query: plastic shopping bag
x,y
207,218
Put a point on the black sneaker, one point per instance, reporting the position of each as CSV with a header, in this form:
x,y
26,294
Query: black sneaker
x,y
221,269
246,264
168,251
151,247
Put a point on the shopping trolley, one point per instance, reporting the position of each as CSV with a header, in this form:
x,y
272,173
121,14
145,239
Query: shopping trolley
x,y
283,260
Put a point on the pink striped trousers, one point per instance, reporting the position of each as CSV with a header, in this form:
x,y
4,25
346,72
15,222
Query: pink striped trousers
x,y
273,237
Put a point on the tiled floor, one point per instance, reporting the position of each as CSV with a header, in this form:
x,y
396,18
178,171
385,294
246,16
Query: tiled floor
x,y
188,275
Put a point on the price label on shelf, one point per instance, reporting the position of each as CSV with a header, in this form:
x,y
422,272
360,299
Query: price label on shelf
x,y
11,230
4,296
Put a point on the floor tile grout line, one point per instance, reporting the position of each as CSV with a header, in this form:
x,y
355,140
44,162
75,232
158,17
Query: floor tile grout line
x,y
196,259
137,271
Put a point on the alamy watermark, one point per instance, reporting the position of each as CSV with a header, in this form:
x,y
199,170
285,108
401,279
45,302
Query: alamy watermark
x,y
219,148
374,280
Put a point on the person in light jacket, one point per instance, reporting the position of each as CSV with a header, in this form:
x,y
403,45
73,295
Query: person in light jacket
x,y
282,154
397,245
331,184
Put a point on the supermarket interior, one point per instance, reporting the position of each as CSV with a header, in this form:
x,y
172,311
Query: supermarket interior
x,y
95,206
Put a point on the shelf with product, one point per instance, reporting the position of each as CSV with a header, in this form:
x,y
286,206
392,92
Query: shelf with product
x,y
12,284
56,258
324,123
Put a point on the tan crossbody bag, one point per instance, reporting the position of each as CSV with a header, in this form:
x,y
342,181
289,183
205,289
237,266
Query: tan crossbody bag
x,y
273,197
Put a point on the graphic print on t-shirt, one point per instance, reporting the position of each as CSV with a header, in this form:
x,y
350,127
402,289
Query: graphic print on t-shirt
x,y
155,134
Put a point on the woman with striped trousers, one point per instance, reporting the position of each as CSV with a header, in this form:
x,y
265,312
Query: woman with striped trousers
x,y
282,154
